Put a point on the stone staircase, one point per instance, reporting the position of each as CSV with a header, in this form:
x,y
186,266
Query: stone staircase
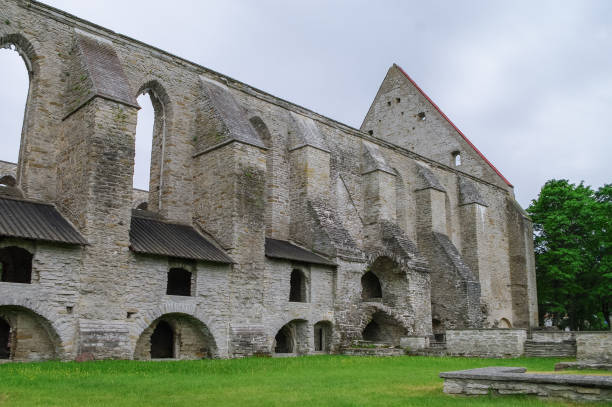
x,y
564,349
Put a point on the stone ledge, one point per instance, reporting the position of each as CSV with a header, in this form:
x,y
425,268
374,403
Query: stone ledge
x,y
514,380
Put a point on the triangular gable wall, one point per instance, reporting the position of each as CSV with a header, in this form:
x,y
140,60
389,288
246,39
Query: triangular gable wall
x,y
403,114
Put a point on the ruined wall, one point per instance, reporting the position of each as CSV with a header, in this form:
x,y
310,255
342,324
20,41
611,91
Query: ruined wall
x,y
242,165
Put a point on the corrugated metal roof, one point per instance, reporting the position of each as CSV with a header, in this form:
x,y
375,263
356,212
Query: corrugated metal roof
x,y
281,249
36,220
153,236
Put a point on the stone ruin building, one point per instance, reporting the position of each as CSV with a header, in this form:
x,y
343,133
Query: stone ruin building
x,y
267,228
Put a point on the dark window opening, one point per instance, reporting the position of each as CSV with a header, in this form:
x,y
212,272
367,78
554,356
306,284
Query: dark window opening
x,y
322,336
179,282
370,132
371,332
370,286
5,339
284,344
15,265
297,291
162,341
397,100
8,181
388,103
421,115
143,206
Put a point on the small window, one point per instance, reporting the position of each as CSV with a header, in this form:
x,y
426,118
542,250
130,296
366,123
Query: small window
x,y
421,115
370,132
297,291
397,100
15,265
8,181
389,103
143,206
179,282
456,158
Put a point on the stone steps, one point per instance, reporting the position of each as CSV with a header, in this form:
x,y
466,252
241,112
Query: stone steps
x,y
563,349
434,349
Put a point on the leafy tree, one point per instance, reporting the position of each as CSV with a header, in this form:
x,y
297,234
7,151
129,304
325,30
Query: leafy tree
x,y
572,227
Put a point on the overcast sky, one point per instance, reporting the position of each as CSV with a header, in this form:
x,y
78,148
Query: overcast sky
x,y
528,82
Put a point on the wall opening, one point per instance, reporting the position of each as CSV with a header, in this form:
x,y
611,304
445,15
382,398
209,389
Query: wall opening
x,y
298,289
382,328
370,286
283,341
293,337
144,142
13,100
456,158
162,341
179,282
143,206
5,339
322,336
505,323
8,187
15,265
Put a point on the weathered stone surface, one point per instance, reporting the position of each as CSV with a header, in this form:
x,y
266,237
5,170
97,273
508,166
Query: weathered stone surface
x,y
512,381
486,342
241,165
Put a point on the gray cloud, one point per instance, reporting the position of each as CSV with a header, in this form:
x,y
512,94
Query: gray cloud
x,y
528,82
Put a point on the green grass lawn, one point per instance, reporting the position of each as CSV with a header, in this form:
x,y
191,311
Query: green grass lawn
x,y
303,381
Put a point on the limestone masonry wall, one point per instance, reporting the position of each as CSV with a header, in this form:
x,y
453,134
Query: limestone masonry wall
x,y
446,245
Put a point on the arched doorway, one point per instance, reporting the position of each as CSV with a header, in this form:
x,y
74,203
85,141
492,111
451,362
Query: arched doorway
x,y
292,338
162,341
370,287
322,336
5,339
178,336
383,329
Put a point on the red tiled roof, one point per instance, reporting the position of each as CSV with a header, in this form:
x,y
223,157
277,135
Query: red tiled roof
x,y
453,125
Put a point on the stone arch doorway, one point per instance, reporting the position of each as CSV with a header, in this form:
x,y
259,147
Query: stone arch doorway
x,y
383,329
162,341
176,336
26,336
386,282
292,338
5,339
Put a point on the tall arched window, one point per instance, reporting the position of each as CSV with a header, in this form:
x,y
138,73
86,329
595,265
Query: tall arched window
x,y
15,265
144,142
150,141
13,98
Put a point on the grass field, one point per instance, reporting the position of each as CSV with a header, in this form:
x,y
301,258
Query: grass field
x,y
304,381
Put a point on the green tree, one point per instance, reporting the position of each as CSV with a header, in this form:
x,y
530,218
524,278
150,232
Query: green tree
x,y
572,227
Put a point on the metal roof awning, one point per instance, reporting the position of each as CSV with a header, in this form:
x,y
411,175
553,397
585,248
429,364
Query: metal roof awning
x,y
281,249
155,236
37,221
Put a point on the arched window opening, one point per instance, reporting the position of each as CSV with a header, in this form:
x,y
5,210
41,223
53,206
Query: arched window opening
x,y
297,292
5,339
8,187
144,142
143,206
505,323
283,341
370,286
456,158
162,341
15,265
322,336
13,100
179,282
8,181
371,332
